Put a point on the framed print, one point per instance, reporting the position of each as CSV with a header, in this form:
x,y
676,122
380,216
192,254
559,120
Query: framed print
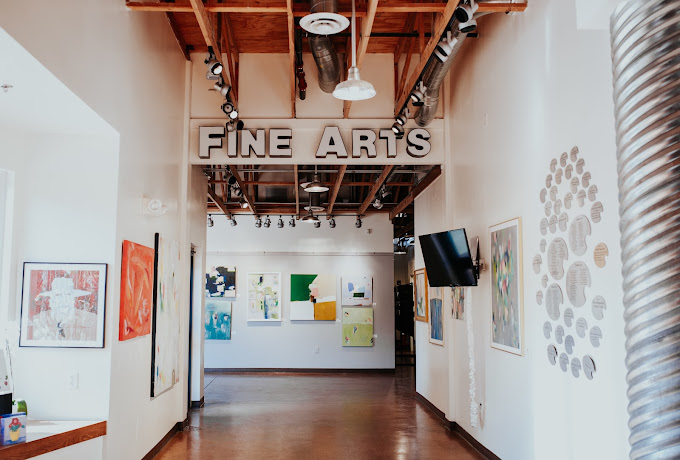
x,y
63,305
218,319
264,297
357,326
220,282
420,294
136,291
507,311
357,290
312,297
436,298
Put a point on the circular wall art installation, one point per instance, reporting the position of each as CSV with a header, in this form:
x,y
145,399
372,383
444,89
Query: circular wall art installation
x,y
575,367
568,317
581,327
553,299
558,253
580,164
569,344
568,198
539,297
537,263
548,181
573,184
578,278
542,245
574,154
581,198
559,334
564,362
552,354
596,212
563,159
547,331
600,255
553,165
595,336
592,193
599,306
588,367
568,171
553,192
585,179
548,208
558,176
578,232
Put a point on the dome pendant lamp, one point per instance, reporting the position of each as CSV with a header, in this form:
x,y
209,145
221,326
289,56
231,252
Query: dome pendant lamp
x,y
354,88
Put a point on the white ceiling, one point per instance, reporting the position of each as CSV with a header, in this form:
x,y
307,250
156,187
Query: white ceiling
x,y
38,101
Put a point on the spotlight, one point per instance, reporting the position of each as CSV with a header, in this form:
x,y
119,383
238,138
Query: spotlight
x,y
231,180
468,27
331,223
403,116
418,95
384,193
357,224
291,222
317,224
231,127
258,222
280,223
465,13
214,66
377,203
445,46
267,222
310,218
210,221
228,108
232,221
242,202
398,130
221,88
234,114
239,125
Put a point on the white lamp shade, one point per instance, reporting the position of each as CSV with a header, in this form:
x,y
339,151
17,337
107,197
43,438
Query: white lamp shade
x,y
354,88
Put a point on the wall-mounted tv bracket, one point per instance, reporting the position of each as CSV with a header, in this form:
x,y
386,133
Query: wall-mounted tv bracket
x,y
477,262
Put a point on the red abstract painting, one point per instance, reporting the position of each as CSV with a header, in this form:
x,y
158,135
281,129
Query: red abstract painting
x,y
136,291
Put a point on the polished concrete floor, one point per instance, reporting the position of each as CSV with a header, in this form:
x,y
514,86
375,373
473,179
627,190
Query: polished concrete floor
x,y
321,416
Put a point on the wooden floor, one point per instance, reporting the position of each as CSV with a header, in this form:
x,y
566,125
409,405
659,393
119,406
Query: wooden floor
x,y
327,416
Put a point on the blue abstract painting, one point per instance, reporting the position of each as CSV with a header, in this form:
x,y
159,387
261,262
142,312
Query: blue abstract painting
x,y
217,319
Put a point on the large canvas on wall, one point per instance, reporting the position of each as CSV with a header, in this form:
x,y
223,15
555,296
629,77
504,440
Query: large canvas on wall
x,y
136,291
218,319
357,290
63,305
436,315
420,294
506,286
165,337
357,326
220,282
312,297
264,296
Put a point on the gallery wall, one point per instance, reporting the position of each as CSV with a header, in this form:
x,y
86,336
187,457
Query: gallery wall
x,y
344,250
533,86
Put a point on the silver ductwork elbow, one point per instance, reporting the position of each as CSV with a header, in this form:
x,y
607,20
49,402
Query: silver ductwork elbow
x,y
326,60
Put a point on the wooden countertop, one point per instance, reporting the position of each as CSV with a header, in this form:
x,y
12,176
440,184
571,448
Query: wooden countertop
x,y
47,436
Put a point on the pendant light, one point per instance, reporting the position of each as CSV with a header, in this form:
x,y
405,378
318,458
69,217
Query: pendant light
x,y
354,88
315,186
310,218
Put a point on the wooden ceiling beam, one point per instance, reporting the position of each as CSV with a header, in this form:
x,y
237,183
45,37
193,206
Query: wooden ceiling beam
x,y
290,211
407,65
345,183
219,203
291,56
228,50
376,186
430,177
178,35
336,189
242,185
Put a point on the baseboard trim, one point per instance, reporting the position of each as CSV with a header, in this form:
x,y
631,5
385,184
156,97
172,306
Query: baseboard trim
x,y
197,404
239,370
176,428
456,428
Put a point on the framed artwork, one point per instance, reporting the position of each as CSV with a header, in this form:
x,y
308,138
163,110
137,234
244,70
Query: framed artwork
x,y
436,315
136,291
165,326
264,296
63,305
357,290
220,282
458,303
312,297
357,326
217,319
420,294
507,311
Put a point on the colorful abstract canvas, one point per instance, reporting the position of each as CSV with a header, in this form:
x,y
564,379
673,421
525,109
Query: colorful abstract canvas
x,y
312,297
458,303
436,315
506,286
217,319
264,296
63,305
136,291
357,326
357,290
220,282
420,294
165,338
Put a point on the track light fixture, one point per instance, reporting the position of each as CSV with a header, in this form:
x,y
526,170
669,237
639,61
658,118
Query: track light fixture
x,y
310,218
465,12
280,223
403,117
258,222
228,108
234,114
242,202
398,130
317,224
468,27
377,203
445,46
331,223
231,126
232,221
210,221
291,222
214,66
418,94
357,224
222,88
267,222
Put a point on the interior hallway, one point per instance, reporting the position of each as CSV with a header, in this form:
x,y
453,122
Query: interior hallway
x,y
328,416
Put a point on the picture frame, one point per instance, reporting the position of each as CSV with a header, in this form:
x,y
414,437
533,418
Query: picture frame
x,y
265,302
63,305
507,296
436,315
420,290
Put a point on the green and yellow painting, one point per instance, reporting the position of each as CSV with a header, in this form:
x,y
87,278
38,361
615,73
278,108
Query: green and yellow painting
x,y
312,297
357,327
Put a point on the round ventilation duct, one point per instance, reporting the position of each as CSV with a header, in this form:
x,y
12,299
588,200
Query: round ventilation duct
x,y
324,18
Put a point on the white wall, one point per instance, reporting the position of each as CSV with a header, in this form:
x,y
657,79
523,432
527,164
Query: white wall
x,y
303,249
532,86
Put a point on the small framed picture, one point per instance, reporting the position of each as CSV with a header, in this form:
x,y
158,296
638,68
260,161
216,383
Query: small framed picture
x,y
420,294
63,305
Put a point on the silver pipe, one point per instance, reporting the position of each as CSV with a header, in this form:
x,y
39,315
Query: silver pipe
x,y
324,53
646,66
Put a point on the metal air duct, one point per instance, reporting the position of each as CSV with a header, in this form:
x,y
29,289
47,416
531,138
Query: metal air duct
x,y
646,66
323,21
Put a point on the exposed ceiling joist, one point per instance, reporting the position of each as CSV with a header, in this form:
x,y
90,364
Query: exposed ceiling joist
x,y
244,190
291,56
434,173
178,35
218,202
378,183
336,189
407,65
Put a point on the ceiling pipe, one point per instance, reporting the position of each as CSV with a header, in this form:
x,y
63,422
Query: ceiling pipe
x,y
325,56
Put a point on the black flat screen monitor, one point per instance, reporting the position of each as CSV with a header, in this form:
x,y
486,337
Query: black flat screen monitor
x,y
447,259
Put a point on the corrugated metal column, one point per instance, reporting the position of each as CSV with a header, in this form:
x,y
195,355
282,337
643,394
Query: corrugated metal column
x,y
646,65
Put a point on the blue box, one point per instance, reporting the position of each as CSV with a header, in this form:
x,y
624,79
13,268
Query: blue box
x,y
13,428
